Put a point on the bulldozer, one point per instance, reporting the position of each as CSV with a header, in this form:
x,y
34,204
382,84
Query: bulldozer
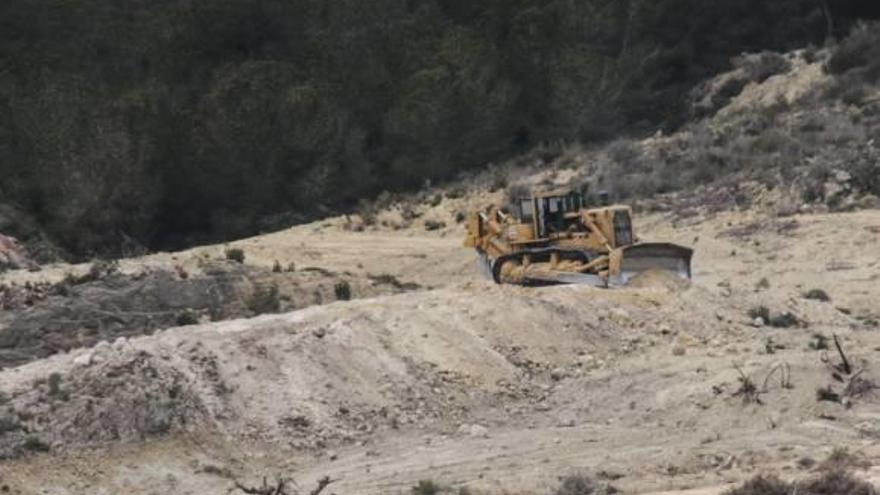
x,y
554,238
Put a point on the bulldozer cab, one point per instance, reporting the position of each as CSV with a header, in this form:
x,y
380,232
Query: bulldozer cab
x,y
551,213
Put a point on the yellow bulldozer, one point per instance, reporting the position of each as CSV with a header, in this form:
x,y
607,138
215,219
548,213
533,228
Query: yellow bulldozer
x,y
554,238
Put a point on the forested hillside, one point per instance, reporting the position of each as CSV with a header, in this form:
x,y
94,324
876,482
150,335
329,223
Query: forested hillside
x,y
165,122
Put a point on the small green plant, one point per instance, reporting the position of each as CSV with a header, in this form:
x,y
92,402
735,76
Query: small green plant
x,y
435,200
579,484
187,317
818,342
434,225
426,487
762,312
827,394
235,254
276,267
35,444
342,290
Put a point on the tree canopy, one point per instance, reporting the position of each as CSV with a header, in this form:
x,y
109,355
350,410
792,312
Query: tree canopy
x,y
172,122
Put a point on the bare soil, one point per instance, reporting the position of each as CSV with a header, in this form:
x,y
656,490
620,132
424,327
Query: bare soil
x,y
471,384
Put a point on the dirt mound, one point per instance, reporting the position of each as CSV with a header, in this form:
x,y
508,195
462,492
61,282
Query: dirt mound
x,y
113,393
317,377
658,279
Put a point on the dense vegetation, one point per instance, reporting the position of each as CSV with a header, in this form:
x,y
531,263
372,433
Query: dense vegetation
x,y
166,122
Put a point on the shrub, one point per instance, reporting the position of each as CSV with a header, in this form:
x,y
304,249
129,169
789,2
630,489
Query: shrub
x,y
762,485
827,394
426,487
836,482
818,342
625,153
762,312
859,49
367,211
8,423
817,295
762,66
342,290
456,192
35,444
187,317
235,254
866,176
582,485
265,300
731,88
434,225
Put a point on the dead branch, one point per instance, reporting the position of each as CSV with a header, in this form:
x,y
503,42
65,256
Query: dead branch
x,y
845,366
266,489
747,388
322,483
858,386
280,488
784,376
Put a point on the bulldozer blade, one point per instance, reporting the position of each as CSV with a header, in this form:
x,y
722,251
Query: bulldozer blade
x,y
544,277
653,256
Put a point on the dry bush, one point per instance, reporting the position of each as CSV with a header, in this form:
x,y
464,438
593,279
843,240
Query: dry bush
x,y
431,225
827,394
265,300
342,290
836,482
860,49
426,487
762,485
235,254
817,295
747,388
762,312
762,66
579,484
818,342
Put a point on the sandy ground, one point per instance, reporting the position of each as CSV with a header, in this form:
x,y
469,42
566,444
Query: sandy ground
x,y
497,389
